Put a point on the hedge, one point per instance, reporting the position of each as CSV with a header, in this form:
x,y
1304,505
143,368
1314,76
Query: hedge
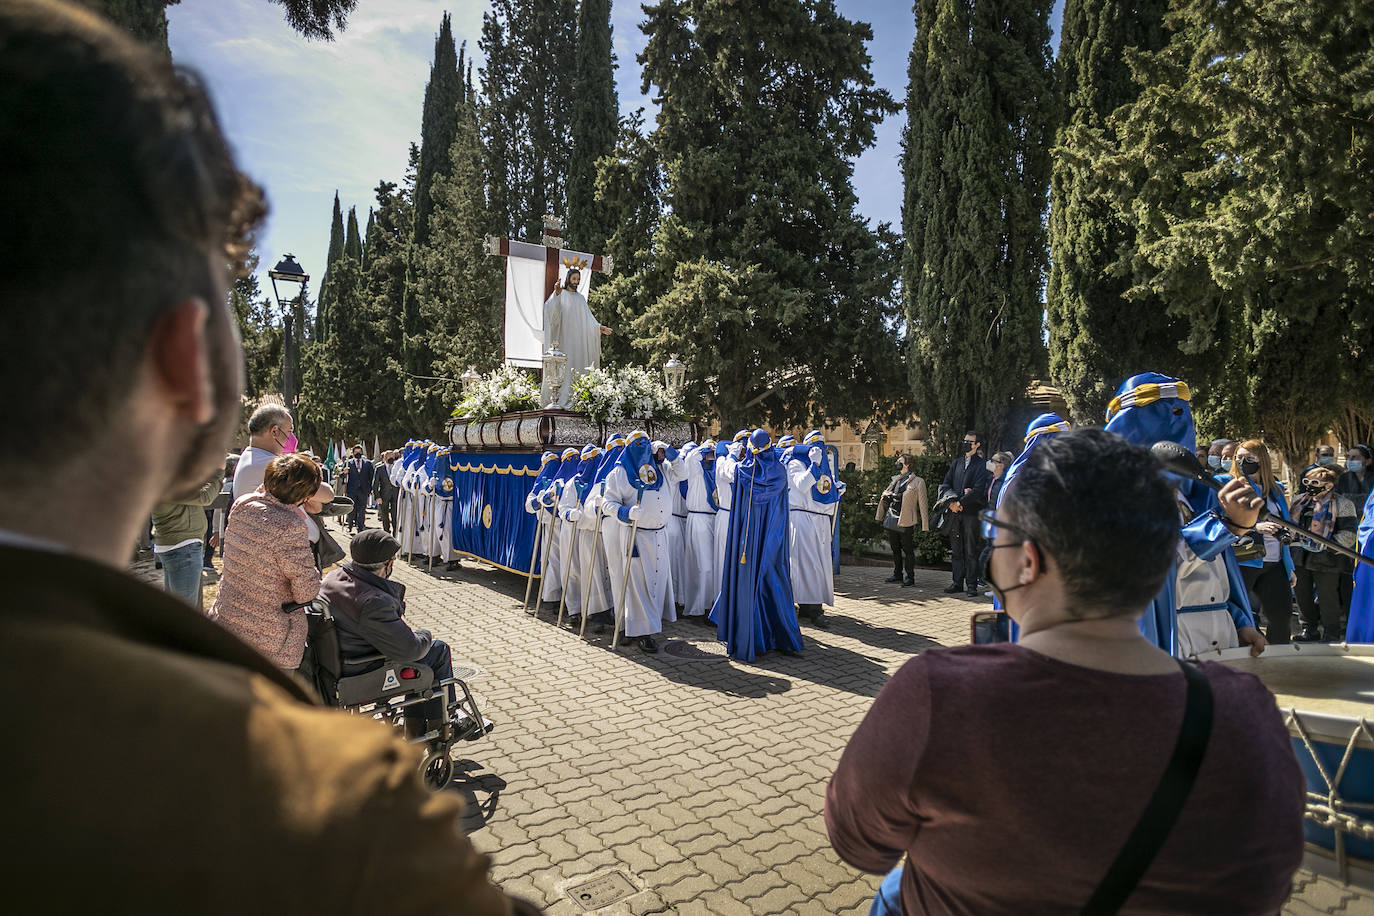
x,y
861,532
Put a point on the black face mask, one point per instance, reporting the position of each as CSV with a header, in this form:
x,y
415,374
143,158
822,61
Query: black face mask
x,y
997,591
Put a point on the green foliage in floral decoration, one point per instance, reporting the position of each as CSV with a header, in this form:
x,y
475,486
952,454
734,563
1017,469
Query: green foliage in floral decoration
x,y
503,390
619,394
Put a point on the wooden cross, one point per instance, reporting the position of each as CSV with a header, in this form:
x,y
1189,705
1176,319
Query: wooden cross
x,y
549,252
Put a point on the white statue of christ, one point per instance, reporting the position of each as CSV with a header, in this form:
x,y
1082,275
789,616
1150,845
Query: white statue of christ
x,y
570,326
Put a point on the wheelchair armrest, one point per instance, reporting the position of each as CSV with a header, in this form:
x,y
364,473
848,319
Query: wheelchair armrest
x,y
366,659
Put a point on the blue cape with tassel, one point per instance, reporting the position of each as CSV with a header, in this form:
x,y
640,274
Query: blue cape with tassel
x,y
755,611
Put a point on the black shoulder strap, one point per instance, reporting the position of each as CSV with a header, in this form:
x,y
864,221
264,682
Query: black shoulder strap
x,y
1165,805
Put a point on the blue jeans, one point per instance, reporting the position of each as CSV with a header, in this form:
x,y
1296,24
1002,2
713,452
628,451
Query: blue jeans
x,y
888,900
181,572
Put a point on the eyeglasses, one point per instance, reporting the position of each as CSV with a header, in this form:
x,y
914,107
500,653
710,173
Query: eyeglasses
x,y
970,441
991,526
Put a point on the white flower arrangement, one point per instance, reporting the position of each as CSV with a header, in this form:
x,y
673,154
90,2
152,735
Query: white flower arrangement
x,y
500,391
623,394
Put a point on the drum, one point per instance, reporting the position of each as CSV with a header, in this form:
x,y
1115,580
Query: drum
x,y
1326,696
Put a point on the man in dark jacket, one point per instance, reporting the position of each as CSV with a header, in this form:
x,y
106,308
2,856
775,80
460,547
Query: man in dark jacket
x,y
358,485
967,481
386,492
368,609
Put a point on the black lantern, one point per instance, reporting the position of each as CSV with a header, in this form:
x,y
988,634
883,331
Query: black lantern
x,y
290,274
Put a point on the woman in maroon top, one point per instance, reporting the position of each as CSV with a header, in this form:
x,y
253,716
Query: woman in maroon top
x,y
1011,775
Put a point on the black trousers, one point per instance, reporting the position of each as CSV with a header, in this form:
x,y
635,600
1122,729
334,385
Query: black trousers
x,y
386,512
1269,584
1322,586
965,544
903,544
357,519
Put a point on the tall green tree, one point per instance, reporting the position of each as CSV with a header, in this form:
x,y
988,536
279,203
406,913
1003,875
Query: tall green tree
x,y
147,19
353,240
439,122
976,172
336,251
1096,337
459,285
595,124
371,224
527,80
1243,169
259,331
762,278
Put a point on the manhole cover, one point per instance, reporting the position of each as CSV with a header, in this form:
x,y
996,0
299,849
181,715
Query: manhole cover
x,y
603,890
465,672
694,651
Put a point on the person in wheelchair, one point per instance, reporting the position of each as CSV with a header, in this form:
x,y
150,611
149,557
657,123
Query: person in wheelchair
x,y
369,611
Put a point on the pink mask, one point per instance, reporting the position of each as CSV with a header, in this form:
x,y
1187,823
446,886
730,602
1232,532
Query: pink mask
x,y
291,444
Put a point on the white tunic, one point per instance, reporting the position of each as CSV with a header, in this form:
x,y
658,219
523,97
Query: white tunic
x,y
725,479
701,572
810,527
587,558
550,534
570,326
649,589
442,509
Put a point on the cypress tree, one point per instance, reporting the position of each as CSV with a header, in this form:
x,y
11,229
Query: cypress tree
x,y
438,124
595,120
1096,337
371,224
976,175
336,250
762,278
526,119
353,241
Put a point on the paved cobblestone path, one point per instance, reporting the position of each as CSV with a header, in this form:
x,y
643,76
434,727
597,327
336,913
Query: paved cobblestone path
x,y
698,779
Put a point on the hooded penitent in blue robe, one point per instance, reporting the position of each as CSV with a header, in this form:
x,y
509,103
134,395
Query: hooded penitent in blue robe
x,y
755,612
1042,429
1360,627
1150,408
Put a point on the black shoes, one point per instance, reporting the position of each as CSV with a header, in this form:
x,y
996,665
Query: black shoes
x,y
972,592
908,583
955,587
647,644
705,621
819,621
892,580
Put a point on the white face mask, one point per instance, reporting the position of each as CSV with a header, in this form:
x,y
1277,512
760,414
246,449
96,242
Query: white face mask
x,y
992,466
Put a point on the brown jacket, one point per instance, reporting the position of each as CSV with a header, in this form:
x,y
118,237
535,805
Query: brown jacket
x,y
914,500
156,764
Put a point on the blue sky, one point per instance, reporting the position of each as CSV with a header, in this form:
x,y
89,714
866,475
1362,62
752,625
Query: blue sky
x,y
308,117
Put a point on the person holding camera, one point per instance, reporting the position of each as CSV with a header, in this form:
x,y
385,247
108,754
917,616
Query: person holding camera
x,y
1322,511
1013,777
1266,563
902,505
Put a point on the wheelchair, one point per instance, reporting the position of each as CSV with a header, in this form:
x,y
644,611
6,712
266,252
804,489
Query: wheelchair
x,y
404,695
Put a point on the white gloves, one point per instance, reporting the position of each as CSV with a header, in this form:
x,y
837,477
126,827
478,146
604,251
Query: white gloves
x,y
736,450
574,514
816,454
634,513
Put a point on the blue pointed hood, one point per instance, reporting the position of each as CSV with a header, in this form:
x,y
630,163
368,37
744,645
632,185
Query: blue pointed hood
x,y
1150,408
638,461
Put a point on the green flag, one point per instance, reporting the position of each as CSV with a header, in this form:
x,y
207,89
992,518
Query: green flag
x,y
330,460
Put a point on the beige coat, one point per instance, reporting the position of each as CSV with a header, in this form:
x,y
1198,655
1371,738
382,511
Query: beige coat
x,y
914,500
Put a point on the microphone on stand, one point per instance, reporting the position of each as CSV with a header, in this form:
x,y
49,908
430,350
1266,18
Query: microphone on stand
x,y
1184,463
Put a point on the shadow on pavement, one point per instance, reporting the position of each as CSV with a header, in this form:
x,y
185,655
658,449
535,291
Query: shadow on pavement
x,y
480,792
877,636
829,665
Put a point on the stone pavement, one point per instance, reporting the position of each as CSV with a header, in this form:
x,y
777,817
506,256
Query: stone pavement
x,y
682,782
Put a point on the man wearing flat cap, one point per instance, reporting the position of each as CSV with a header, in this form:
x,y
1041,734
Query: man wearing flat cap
x,y
369,609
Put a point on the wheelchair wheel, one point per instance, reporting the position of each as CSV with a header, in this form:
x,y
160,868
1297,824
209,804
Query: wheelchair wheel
x,y
436,769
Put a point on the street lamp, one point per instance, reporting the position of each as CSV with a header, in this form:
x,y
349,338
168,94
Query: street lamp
x,y
289,274
674,374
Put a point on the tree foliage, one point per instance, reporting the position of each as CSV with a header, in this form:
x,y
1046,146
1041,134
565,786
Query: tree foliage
x,y
336,251
760,275
1244,170
595,123
976,172
527,81
259,330
147,19
1096,337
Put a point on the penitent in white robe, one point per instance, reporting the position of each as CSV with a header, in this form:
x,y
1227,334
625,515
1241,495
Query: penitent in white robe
x,y
811,525
649,587
570,326
700,576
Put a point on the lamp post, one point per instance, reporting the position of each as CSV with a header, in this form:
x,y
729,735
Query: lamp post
x,y
674,375
290,274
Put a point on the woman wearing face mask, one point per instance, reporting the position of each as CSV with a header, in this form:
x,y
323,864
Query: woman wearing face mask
x,y
1322,511
902,505
1269,577
267,562
997,466
1358,479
